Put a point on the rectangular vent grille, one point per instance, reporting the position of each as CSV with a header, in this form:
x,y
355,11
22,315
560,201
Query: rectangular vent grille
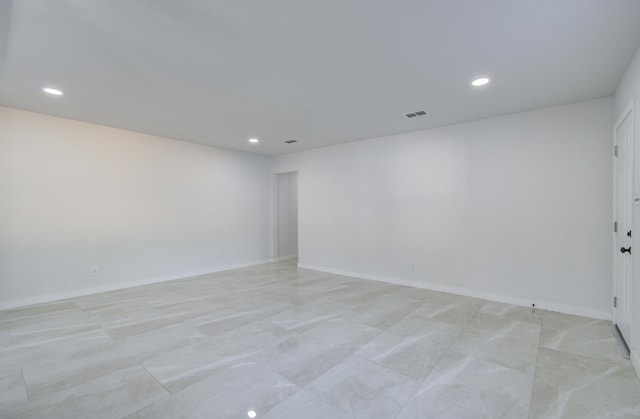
x,y
416,113
291,141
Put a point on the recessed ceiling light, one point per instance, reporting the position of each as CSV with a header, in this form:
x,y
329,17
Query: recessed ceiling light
x,y
480,82
52,91
251,414
253,140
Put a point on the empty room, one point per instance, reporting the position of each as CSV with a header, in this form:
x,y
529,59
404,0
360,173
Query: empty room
x,y
332,209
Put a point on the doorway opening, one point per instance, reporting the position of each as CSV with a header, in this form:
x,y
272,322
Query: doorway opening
x,y
286,217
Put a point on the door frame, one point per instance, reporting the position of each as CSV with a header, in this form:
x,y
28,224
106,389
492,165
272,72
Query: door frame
x,y
628,112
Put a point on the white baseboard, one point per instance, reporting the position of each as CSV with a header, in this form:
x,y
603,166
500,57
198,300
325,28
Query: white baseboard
x,y
47,298
575,310
283,258
543,305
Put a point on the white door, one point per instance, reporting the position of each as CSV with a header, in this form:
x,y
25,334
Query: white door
x,y
623,208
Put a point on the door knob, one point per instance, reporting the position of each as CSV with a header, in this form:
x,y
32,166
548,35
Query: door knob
x,y
627,250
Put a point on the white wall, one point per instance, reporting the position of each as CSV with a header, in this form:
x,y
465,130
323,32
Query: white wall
x,y
75,195
515,208
287,214
628,91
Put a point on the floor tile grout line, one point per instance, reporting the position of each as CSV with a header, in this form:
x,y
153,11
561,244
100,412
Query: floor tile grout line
x,y
155,379
535,365
449,349
453,341
24,383
604,361
300,389
417,380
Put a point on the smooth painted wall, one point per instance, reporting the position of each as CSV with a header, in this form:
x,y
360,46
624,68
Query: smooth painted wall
x,y
515,208
627,93
74,196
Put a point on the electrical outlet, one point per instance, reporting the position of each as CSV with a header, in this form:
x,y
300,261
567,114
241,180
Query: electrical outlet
x,y
412,267
95,270
221,255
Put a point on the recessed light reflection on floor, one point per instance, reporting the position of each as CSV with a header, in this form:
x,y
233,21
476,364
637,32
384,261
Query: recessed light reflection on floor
x,y
251,414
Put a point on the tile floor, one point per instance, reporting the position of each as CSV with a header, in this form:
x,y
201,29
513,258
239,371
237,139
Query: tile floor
x,y
292,343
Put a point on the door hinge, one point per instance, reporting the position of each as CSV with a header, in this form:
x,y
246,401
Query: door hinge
x,y
615,302
615,151
615,226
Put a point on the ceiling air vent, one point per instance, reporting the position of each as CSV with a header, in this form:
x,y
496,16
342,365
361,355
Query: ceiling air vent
x,y
291,141
416,113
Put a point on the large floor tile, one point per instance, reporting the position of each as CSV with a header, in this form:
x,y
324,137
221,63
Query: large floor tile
x,y
187,308
294,343
459,312
580,335
304,317
511,343
44,380
141,326
343,332
42,327
229,316
463,386
385,310
523,314
158,341
114,395
259,396
252,338
574,386
231,392
182,367
413,346
13,393
114,315
356,388
301,359
166,407
63,350
5,337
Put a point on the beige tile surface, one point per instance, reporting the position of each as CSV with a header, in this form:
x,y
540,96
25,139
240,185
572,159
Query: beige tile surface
x,y
413,346
574,386
294,343
466,386
12,389
500,340
589,337
112,395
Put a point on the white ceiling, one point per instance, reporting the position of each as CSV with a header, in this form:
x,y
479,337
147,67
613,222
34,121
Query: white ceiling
x,y
321,72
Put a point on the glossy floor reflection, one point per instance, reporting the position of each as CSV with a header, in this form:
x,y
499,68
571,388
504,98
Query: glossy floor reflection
x,y
285,342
